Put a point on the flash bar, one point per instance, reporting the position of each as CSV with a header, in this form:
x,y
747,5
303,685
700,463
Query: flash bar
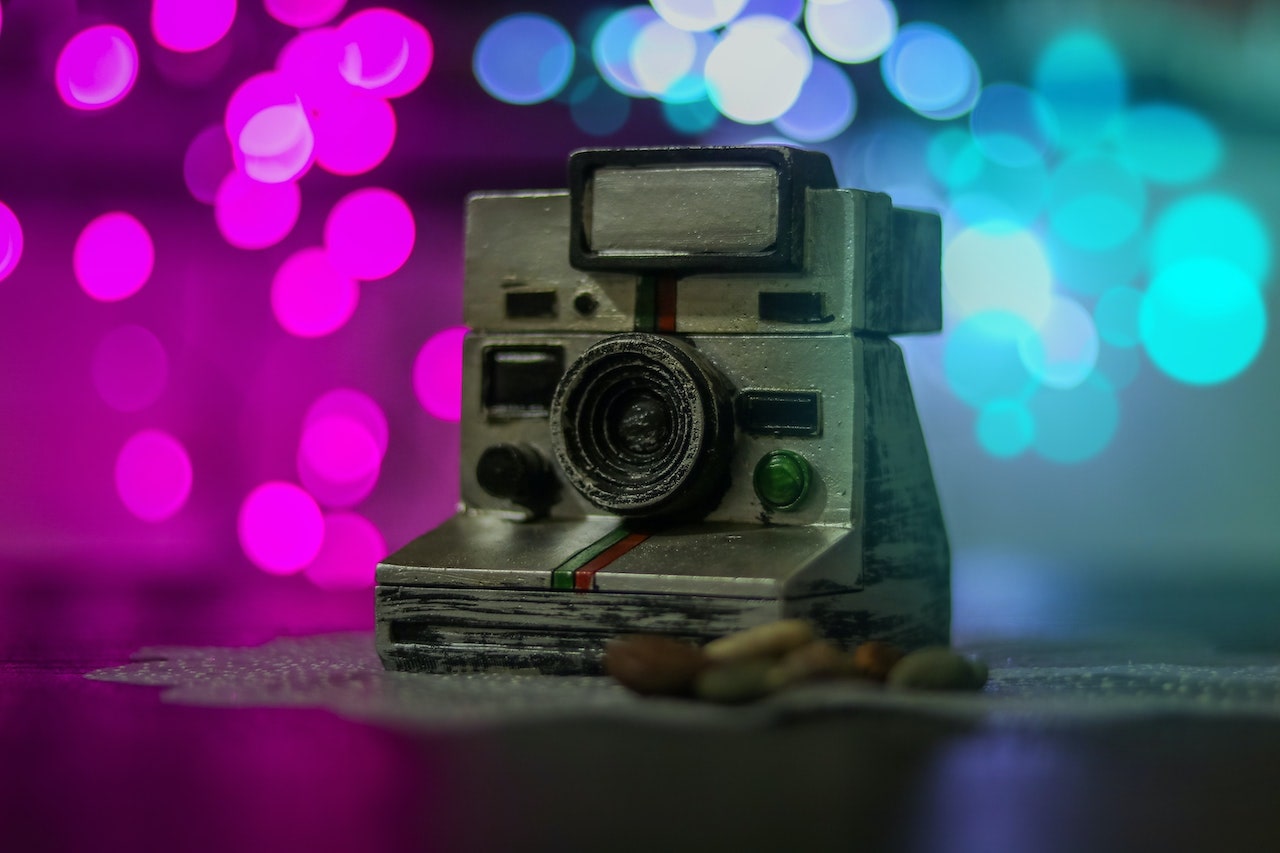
x,y
692,210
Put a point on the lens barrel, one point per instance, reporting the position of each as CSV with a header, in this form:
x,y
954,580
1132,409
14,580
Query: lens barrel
x,y
642,426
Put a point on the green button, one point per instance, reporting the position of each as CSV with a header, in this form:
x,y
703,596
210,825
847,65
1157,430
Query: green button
x,y
782,479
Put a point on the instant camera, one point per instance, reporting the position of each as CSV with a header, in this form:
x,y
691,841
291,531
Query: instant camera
x,y
681,415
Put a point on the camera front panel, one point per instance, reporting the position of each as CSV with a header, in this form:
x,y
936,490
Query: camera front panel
x,y
790,399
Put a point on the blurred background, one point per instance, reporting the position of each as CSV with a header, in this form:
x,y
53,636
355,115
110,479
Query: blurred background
x,y
231,260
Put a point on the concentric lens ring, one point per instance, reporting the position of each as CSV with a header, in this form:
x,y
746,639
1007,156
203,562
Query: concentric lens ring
x,y
642,426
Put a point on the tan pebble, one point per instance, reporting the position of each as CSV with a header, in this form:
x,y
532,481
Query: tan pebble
x,y
772,640
654,665
874,659
740,681
937,668
818,659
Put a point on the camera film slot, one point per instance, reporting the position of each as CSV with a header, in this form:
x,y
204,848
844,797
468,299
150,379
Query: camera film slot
x,y
578,572
793,413
519,382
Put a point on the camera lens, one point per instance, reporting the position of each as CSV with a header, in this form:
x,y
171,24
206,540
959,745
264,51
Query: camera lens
x,y
642,426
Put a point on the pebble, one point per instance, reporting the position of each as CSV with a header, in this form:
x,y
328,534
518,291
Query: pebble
x,y
875,659
739,681
937,668
818,659
653,665
772,640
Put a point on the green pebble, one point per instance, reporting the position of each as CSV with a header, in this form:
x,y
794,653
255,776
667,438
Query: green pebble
x,y
731,683
937,668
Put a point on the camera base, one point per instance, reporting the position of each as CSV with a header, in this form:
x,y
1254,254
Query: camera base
x,y
483,593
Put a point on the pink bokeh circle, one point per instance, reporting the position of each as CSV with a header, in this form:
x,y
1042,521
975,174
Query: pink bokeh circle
x,y
184,26
130,368
276,144
254,215
350,554
437,373
280,528
206,163
338,460
153,475
370,233
384,52
354,131
113,257
304,13
309,297
355,405
309,61
10,241
96,68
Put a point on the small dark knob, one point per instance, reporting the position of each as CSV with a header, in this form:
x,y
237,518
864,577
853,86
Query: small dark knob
x,y
516,472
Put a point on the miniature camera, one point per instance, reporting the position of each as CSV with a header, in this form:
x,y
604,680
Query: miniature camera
x,y
681,414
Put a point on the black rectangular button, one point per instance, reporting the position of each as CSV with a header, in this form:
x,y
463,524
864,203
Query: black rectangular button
x,y
792,307
780,412
519,382
531,304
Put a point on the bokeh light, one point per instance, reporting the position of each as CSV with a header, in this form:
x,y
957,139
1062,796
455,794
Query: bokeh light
x,y
353,404
983,192
825,108
186,27
280,528
1012,125
1120,366
662,56
524,58
693,118
304,13
153,475
130,368
789,10
350,554
756,71
97,68
1066,347
929,70
206,162
1005,428
254,215
1212,225
1094,271
277,143
1082,78
611,48
339,448
1096,202
1074,424
1170,144
1005,270
698,14
437,374
113,257
310,62
384,52
309,297
598,109
1116,316
369,234
354,133
851,30
1202,320
10,241
986,355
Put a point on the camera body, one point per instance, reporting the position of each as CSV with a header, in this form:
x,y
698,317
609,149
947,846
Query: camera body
x,y
681,414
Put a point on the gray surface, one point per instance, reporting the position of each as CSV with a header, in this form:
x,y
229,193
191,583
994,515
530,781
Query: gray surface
x,y
1033,684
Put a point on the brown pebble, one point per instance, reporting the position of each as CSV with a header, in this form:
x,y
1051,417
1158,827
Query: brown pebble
x,y
819,659
739,681
875,659
654,665
771,640
938,668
